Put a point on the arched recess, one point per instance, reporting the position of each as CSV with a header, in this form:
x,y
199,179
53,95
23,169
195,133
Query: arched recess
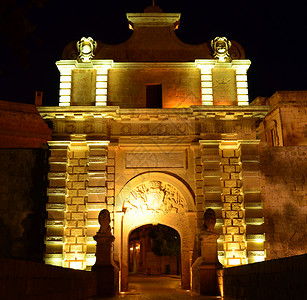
x,y
151,198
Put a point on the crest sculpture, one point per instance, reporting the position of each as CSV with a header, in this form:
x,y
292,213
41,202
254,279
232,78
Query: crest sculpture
x,y
156,196
220,47
86,48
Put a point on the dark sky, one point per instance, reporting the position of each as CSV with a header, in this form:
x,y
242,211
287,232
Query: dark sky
x,y
33,34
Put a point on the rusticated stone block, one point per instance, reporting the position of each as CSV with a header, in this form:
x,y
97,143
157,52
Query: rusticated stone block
x,y
232,230
231,198
229,168
77,216
71,239
77,200
231,214
231,183
227,222
228,153
228,237
232,246
238,238
76,232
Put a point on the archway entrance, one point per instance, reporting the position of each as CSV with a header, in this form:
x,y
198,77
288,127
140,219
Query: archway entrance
x,y
154,249
154,198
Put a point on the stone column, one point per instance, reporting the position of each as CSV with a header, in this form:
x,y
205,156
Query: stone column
x,y
107,271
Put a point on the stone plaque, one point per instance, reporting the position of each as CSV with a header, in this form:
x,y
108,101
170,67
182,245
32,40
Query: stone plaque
x,y
155,160
224,87
83,87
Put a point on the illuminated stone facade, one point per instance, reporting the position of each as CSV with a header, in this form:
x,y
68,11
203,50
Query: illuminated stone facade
x,y
111,149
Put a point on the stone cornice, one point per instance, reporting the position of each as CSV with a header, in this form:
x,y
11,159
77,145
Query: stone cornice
x,y
115,112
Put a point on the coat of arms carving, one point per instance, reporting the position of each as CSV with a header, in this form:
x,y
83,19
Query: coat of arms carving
x,y
156,196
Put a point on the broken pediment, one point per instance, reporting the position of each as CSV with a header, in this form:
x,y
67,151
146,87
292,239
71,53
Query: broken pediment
x,y
153,39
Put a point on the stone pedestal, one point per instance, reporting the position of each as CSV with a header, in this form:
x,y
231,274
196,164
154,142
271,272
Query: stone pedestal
x,y
107,271
207,270
204,269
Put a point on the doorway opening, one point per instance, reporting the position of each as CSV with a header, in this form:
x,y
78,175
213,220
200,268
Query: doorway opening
x,y
154,96
154,249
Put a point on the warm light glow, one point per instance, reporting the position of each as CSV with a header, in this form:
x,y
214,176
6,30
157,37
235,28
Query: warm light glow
x,y
76,265
234,261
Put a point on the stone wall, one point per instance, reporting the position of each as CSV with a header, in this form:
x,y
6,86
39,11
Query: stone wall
x,y
21,126
180,86
284,184
30,280
22,203
283,278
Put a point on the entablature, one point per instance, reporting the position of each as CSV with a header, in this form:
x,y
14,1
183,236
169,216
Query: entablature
x,y
114,123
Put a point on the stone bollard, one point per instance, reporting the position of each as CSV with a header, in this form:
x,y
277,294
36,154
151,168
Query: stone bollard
x,y
107,271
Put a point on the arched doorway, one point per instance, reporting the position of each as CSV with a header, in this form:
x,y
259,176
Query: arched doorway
x,y
154,249
152,198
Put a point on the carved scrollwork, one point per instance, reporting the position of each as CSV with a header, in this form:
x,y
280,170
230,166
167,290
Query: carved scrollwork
x,y
86,48
70,128
156,196
220,47
88,128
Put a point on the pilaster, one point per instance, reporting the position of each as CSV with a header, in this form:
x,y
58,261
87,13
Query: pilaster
x,y
206,67
212,186
253,205
65,68
234,227
222,85
75,248
56,205
102,67
96,191
68,75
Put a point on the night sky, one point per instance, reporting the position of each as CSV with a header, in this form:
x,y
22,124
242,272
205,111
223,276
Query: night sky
x,y
33,34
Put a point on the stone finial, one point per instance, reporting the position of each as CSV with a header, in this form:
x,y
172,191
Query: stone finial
x,y
86,48
220,47
209,220
104,221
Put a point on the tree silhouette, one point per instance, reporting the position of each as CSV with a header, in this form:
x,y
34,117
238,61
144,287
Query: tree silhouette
x,y
165,241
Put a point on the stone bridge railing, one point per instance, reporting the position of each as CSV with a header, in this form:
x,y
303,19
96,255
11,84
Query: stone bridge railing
x,y
283,278
30,280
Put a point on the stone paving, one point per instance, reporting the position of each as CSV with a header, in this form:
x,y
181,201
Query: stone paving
x,y
156,288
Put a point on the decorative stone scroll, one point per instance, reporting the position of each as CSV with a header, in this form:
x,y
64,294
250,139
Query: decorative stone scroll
x,y
156,196
220,47
86,48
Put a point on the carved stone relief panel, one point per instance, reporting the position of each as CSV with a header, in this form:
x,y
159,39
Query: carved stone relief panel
x,y
244,126
156,196
80,127
161,128
224,86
